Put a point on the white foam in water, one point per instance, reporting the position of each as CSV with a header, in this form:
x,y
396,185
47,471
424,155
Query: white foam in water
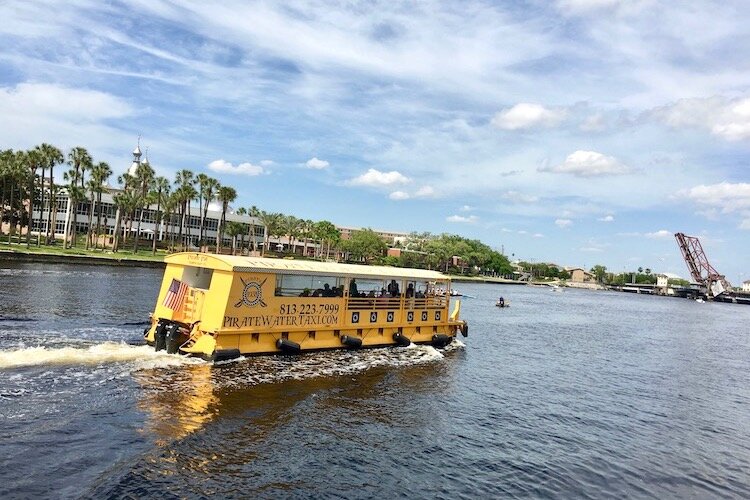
x,y
106,352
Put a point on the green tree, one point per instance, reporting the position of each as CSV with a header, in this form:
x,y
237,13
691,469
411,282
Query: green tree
x,y
226,195
208,187
51,157
327,234
33,160
184,192
160,193
599,272
79,160
365,245
144,179
99,175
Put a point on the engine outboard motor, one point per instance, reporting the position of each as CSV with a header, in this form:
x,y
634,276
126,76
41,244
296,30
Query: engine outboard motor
x,y
465,329
175,337
160,335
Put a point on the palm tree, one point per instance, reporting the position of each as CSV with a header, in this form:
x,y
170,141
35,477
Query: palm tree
x,y
306,229
241,211
208,192
270,223
51,157
291,227
144,178
161,194
122,201
33,161
99,175
235,229
14,170
185,192
226,195
80,160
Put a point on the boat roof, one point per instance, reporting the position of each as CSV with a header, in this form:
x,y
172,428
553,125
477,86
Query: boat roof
x,y
243,264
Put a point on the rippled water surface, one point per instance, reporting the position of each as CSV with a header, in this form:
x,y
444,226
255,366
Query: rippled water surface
x,y
575,394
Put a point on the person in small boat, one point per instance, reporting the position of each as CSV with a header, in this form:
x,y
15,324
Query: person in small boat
x,y
501,302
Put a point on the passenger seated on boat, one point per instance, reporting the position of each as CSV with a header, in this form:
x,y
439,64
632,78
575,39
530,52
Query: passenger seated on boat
x,y
383,293
327,292
305,293
410,290
501,301
353,292
393,288
339,291
317,293
419,295
371,294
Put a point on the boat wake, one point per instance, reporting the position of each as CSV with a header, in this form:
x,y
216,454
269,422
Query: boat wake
x,y
106,352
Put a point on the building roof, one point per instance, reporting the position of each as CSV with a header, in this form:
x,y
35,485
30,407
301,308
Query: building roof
x,y
286,266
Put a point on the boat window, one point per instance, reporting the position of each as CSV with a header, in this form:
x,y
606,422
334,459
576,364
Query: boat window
x,y
300,285
197,277
369,287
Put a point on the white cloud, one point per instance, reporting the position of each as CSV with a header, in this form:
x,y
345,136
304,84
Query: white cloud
x,y
424,192
62,102
583,6
538,235
466,208
527,115
563,223
591,249
745,224
725,118
227,168
33,113
376,178
659,235
399,195
471,219
516,197
266,163
317,164
589,164
725,196
606,218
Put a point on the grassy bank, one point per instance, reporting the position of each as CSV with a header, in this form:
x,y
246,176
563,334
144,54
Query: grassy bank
x,y
56,253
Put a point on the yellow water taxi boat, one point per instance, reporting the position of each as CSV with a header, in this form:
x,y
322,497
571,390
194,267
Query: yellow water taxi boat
x,y
220,307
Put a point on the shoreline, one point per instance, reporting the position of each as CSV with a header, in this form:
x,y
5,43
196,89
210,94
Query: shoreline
x,y
50,258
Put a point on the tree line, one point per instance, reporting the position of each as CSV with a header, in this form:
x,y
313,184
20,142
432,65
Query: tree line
x,y
27,186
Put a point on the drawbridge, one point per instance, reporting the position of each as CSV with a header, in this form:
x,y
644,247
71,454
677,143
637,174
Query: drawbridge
x,y
700,268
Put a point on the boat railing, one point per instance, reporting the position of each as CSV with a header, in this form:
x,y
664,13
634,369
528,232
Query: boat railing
x,y
374,303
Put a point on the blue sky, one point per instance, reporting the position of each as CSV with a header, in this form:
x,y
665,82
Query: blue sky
x,y
576,131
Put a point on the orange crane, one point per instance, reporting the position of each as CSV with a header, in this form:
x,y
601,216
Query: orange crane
x,y
700,268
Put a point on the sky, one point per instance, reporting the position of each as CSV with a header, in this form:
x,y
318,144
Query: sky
x,y
578,132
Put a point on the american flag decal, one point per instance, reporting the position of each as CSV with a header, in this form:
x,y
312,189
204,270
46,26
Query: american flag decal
x,y
175,294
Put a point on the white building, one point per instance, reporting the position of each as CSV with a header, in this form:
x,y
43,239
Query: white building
x,y
150,227
746,286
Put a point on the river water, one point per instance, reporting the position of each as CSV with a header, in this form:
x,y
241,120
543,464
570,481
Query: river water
x,y
576,394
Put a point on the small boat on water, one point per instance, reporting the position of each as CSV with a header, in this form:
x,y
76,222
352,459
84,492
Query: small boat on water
x,y
502,303
219,307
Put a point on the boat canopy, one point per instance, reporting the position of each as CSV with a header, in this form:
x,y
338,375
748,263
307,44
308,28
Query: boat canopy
x,y
288,266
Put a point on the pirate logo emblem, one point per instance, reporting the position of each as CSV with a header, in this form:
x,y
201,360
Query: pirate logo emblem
x,y
437,315
389,317
410,316
355,317
252,294
373,317
424,315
